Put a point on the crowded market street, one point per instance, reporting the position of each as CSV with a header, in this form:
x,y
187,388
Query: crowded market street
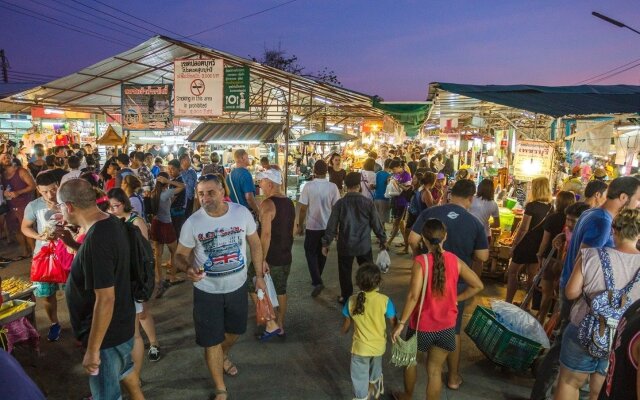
x,y
311,363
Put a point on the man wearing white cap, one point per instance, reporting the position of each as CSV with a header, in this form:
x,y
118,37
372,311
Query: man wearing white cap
x,y
277,217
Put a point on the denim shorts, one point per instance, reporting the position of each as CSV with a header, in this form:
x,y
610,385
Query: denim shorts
x,y
365,371
115,365
45,289
576,358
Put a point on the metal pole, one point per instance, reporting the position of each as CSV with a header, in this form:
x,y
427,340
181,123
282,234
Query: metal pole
x,y
287,129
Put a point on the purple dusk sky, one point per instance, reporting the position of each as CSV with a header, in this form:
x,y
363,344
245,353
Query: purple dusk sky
x,y
390,48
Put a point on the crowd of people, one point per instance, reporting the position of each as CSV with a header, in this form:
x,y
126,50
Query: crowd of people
x,y
207,219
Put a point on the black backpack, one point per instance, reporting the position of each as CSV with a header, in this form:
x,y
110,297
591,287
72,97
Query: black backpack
x,y
142,267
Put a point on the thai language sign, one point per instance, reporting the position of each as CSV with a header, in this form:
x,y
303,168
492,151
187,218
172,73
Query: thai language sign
x,y
236,89
532,159
198,84
146,107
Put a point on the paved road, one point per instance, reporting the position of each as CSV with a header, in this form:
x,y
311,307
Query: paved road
x,y
311,363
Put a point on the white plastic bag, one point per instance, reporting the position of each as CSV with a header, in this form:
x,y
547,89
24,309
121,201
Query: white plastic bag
x,y
383,261
393,189
519,321
271,289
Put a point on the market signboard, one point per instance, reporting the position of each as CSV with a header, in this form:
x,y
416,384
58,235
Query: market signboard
x,y
236,89
198,84
146,107
532,159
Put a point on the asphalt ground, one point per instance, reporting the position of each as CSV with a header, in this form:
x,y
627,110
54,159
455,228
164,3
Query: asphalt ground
x,y
311,363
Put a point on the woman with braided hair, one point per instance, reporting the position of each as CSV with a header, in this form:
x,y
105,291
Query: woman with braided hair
x,y
436,327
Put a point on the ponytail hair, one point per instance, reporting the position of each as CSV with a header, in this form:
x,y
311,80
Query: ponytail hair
x,y
368,278
433,233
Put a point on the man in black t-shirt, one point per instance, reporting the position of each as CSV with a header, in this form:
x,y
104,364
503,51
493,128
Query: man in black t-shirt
x,y
98,293
466,238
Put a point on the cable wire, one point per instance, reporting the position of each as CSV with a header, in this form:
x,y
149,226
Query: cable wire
x,y
113,16
241,18
138,34
609,71
617,73
62,24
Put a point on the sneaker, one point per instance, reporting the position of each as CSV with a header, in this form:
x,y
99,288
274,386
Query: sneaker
x,y
54,332
384,269
317,290
154,353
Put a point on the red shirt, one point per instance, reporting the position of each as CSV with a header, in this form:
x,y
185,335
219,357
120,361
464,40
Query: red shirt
x,y
438,312
110,184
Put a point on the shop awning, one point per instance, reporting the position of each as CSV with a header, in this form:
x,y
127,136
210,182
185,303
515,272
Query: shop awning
x,y
410,115
554,101
236,131
326,137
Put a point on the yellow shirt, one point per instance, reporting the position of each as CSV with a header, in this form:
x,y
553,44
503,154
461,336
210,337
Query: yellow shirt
x,y
370,328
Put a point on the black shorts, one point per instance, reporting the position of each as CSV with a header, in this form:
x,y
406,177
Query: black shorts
x,y
217,314
444,339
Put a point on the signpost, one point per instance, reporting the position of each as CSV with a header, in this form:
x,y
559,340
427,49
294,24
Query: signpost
x,y
198,85
532,159
146,107
236,89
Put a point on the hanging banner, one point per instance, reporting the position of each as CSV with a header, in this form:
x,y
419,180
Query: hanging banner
x,y
198,84
593,137
532,159
146,107
236,89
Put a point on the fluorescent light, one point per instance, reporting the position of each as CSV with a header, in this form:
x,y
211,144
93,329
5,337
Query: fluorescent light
x,y
151,138
628,128
53,111
298,127
234,142
322,100
16,120
296,118
336,128
190,121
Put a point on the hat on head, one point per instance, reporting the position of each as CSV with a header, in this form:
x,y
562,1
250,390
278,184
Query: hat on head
x,y
353,179
440,175
271,174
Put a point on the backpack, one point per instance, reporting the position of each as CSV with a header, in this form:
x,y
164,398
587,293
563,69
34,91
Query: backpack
x,y
598,328
417,205
142,264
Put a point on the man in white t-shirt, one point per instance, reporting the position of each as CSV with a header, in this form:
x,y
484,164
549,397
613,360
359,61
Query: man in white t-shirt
x,y
217,235
316,201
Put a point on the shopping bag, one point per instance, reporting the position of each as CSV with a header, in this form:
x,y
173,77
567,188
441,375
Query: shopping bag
x,y
64,256
264,309
393,189
271,290
46,267
383,261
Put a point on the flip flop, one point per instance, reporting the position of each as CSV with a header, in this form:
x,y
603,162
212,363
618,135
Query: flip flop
x,y
268,335
176,282
217,393
454,387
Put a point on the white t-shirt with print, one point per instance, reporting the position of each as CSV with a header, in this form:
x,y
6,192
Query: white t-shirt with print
x,y
220,246
319,196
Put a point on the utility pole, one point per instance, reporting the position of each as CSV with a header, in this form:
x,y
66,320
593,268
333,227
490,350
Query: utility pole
x,y
4,65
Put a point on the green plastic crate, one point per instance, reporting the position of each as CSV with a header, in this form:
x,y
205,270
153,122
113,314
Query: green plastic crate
x,y
498,343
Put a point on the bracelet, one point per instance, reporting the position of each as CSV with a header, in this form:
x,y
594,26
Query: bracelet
x,y
402,322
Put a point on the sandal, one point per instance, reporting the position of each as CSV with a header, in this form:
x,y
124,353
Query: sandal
x,y
455,386
217,393
230,369
266,335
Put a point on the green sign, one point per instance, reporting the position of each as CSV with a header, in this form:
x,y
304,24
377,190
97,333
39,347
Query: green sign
x,y
236,89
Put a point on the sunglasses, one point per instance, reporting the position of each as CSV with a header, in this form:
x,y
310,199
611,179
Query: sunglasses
x,y
209,177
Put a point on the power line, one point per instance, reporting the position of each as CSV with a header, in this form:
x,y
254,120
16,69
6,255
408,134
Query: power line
x,y
33,73
113,16
140,19
89,20
617,73
609,71
62,24
241,18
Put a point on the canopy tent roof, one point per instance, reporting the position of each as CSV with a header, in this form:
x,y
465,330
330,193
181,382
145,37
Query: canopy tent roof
x,y
326,137
273,92
260,131
554,101
531,110
410,114
110,138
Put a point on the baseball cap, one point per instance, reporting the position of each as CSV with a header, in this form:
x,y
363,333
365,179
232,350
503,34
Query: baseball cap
x,y
272,174
440,175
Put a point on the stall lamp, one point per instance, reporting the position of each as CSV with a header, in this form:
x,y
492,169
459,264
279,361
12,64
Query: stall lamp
x,y
17,120
190,121
336,128
322,100
165,148
298,127
53,111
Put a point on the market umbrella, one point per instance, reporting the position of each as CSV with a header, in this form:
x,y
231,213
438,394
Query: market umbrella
x,y
326,137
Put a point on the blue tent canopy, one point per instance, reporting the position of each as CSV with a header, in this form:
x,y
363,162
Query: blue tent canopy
x,y
554,101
